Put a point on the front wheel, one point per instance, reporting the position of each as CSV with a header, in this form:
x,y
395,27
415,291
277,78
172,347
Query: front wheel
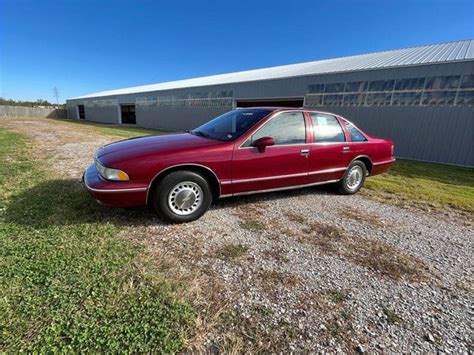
x,y
353,179
182,196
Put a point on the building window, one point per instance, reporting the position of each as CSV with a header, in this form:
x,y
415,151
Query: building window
x,y
381,85
467,82
439,98
354,99
465,98
316,89
314,100
334,88
379,99
333,100
431,91
442,82
406,98
326,128
356,86
410,84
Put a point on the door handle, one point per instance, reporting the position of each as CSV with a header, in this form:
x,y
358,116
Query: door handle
x,y
305,152
346,149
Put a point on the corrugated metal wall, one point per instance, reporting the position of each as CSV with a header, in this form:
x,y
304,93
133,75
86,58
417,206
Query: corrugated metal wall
x,y
435,134
443,134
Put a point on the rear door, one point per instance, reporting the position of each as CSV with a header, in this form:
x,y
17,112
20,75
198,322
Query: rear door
x,y
330,153
281,165
359,144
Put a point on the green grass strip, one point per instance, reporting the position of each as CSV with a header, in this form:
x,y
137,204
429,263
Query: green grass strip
x,y
426,183
67,281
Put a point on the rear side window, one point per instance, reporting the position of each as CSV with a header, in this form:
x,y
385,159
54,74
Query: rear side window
x,y
286,128
356,135
326,128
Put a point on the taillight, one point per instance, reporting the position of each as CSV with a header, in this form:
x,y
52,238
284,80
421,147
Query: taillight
x,y
392,149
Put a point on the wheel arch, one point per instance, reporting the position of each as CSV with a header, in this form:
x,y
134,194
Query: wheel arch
x,y
367,162
206,172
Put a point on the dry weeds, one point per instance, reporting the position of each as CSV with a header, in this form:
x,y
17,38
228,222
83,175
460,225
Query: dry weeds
x,y
376,255
361,216
232,252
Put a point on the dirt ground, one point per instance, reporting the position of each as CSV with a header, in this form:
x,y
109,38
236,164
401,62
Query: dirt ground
x,y
305,270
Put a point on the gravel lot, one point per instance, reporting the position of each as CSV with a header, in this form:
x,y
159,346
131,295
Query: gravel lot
x,y
304,270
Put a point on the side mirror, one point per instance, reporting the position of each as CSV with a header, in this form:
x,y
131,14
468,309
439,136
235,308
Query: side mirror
x,y
263,143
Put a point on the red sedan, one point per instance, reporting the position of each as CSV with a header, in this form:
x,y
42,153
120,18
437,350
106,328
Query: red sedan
x,y
244,151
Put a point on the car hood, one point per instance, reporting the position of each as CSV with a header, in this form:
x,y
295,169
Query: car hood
x,y
150,147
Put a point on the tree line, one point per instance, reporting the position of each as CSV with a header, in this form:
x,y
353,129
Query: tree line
x,y
39,102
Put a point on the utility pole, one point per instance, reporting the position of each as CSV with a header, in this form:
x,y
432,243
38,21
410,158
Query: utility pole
x,y
56,94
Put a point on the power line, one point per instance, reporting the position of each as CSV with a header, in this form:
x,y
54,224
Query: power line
x,y
56,94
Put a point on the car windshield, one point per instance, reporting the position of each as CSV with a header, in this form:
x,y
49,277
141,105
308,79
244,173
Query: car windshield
x,y
231,125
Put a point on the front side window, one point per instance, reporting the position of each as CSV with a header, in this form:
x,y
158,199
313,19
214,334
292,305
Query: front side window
x,y
231,125
326,128
356,135
286,128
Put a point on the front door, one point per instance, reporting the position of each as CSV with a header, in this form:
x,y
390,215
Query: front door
x,y
281,165
329,155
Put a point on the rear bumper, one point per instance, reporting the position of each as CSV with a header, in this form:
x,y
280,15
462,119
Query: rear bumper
x,y
113,194
382,166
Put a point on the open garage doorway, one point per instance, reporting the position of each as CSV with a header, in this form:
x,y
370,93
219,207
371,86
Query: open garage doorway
x,y
127,113
288,102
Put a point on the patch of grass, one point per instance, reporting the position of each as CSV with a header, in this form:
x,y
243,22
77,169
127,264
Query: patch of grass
x,y
115,130
252,225
68,283
232,252
392,316
264,311
257,334
425,185
340,327
337,296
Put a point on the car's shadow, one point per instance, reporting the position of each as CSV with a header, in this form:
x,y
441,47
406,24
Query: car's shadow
x,y
66,202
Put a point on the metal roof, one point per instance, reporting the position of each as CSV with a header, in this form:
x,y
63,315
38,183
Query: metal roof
x,y
435,53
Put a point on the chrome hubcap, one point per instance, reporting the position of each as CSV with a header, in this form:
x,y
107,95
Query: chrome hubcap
x,y
185,198
354,177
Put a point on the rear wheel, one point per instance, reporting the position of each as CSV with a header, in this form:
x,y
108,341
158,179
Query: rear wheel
x,y
182,196
353,179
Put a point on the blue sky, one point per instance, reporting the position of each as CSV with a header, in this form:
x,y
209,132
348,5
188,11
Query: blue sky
x,y
83,46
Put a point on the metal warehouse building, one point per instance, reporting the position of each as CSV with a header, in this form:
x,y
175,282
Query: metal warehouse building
x,y
421,97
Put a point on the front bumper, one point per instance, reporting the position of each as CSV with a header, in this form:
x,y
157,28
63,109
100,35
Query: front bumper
x,y
114,194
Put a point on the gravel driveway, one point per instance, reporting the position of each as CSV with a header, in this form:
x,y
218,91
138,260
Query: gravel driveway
x,y
304,270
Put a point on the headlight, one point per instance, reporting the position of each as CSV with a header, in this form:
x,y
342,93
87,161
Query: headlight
x,y
111,174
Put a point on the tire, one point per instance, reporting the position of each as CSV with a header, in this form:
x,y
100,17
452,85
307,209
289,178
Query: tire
x,y
353,179
182,196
